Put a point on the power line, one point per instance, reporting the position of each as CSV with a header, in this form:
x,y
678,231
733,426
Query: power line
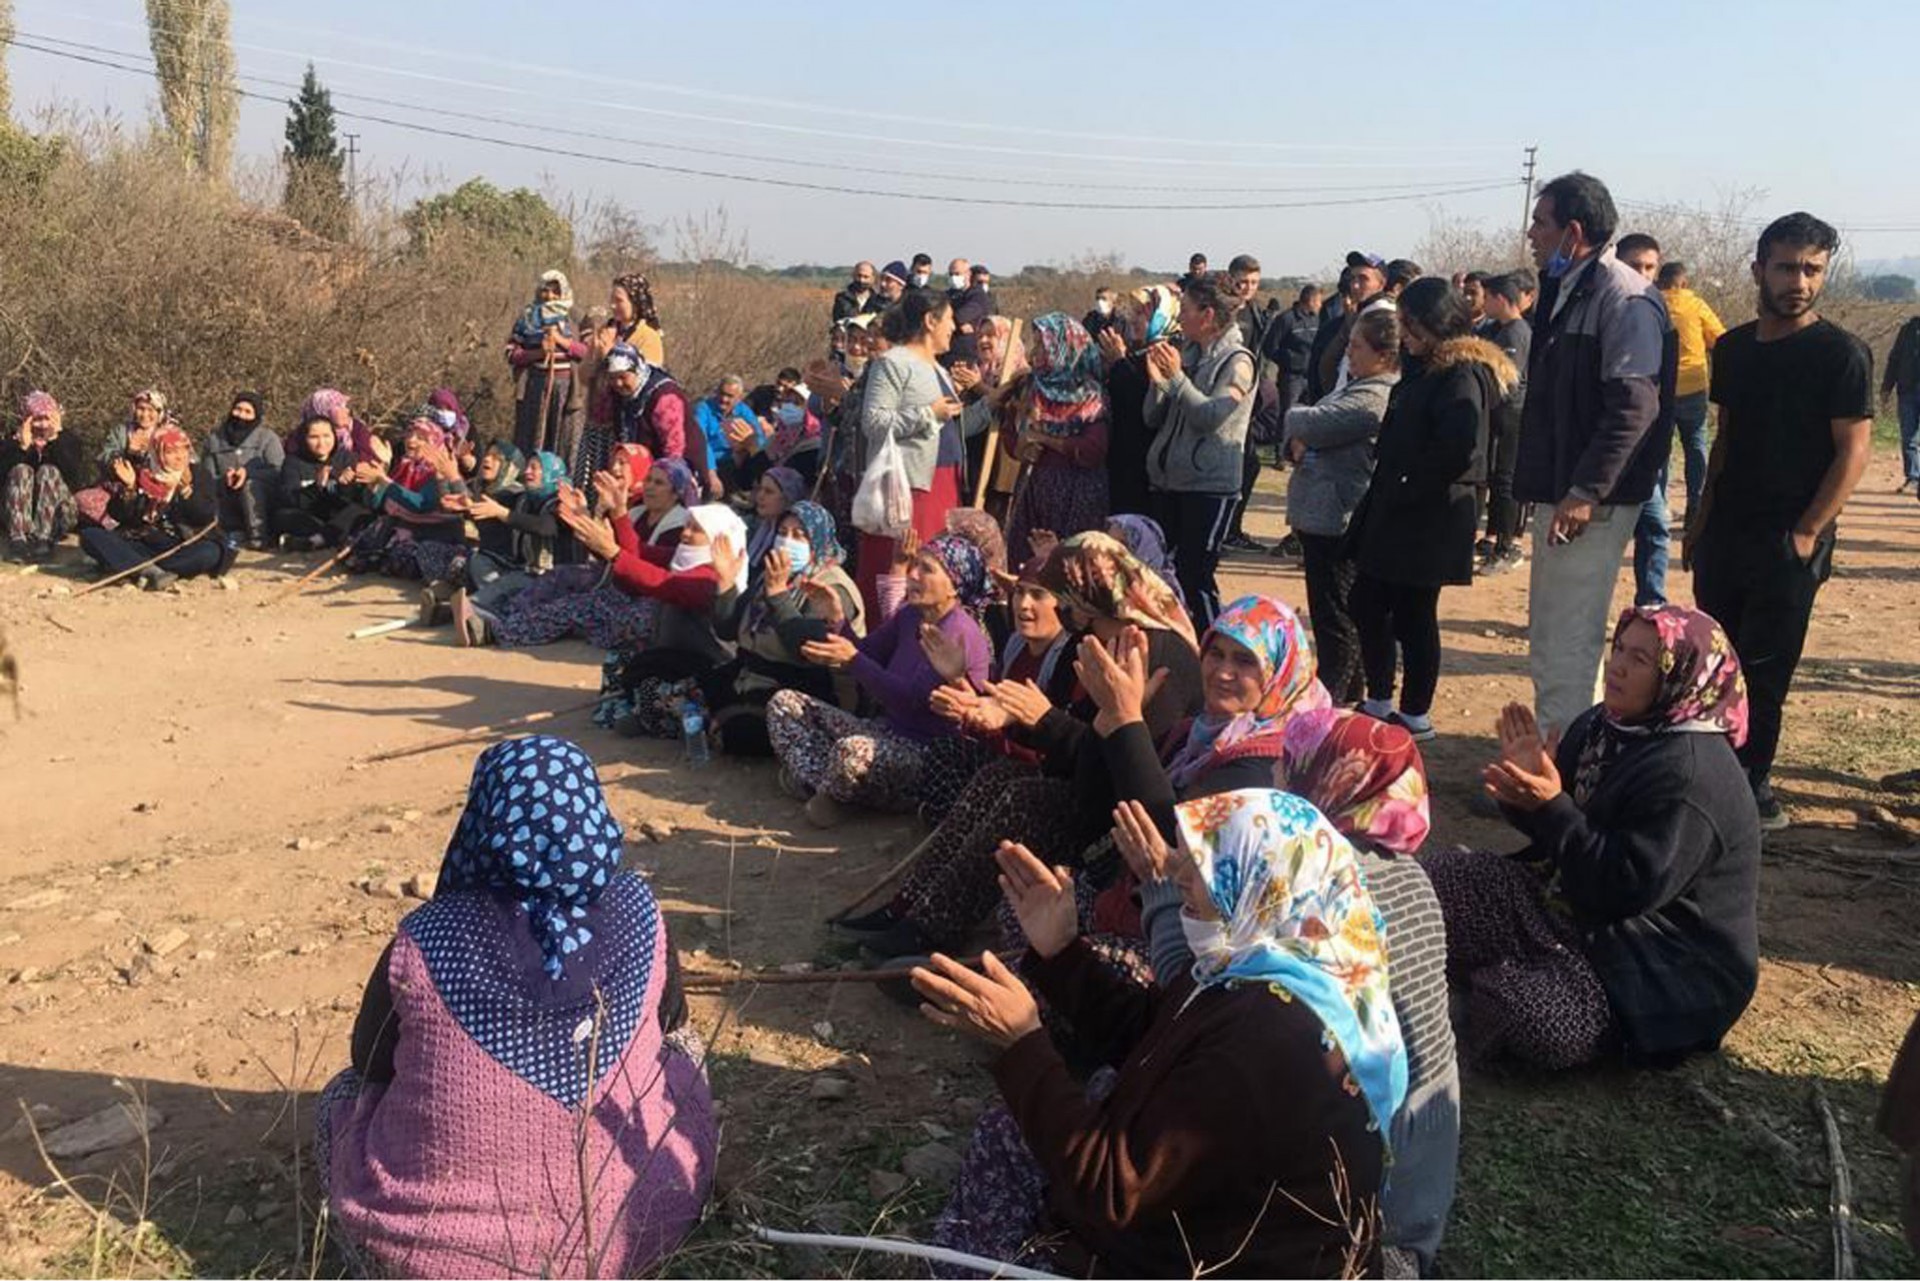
x,y
844,135
535,69
801,185
888,171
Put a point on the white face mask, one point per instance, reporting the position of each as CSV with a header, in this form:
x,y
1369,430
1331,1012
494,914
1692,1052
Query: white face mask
x,y
919,279
1208,939
1103,305
985,288
854,365
957,280
687,556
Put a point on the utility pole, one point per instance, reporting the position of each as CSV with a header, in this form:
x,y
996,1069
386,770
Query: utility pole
x,y
353,150
1526,207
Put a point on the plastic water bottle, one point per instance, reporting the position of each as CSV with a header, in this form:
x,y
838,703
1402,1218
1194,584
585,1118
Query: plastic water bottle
x,y
693,733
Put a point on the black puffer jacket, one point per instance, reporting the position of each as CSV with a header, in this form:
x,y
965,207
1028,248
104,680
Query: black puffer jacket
x,y
1416,523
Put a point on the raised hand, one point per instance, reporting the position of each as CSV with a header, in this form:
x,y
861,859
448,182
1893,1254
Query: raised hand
x,y
1041,897
1023,702
727,560
994,1005
834,651
947,656
606,487
1140,843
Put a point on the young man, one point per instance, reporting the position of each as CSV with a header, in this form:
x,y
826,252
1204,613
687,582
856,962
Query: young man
x,y
1196,270
1903,379
1796,419
1600,370
920,274
1508,330
1640,252
1243,280
1696,329
1652,531
1473,285
1290,345
1102,315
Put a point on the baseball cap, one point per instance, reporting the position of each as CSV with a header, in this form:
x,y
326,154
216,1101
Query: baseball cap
x,y
1357,258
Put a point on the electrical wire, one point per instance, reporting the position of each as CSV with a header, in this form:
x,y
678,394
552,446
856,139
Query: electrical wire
x,y
795,184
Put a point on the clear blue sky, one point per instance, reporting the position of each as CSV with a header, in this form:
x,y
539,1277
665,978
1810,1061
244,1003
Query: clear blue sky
x,y
1666,102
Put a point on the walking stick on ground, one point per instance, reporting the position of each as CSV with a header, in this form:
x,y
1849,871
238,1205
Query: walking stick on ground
x,y
149,562
709,982
300,583
892,874
480,731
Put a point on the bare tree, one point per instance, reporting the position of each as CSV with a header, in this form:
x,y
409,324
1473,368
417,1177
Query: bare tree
x,y
193,61
6,40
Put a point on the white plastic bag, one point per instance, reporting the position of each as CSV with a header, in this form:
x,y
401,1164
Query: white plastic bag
x,y
883,505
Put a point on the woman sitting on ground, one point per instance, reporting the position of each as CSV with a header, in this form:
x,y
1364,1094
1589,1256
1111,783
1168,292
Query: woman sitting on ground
x,y
793,441
533,537
803,594
312,508
835,758
1629,922
1366,777
245,456
130,441
697,588
1243,1132
41,468
353,439
583,599
419,534
774,494
532,1006
496,475
163,504
1057,808
1413,533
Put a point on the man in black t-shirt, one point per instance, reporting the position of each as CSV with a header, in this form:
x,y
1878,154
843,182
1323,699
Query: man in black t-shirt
x,y
1796,415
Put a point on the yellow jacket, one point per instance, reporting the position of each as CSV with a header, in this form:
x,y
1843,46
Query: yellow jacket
x,y
1697,329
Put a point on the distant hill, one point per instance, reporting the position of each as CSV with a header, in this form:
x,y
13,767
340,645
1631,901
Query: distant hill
x,y
1908,266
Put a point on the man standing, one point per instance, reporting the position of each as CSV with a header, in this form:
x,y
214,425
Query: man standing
x,y
1696,328
893,283
1101,316
1473,286
1903,379
1364,286
1243,281
920,275
858,298
1196,270
1197,409
1508,330
1290,345
1600,369
1652,530
967,292
1796,420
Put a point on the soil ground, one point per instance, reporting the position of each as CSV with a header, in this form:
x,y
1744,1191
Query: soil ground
x,y
187,765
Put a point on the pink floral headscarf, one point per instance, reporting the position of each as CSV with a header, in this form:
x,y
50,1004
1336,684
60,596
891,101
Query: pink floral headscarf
x,y
1365,775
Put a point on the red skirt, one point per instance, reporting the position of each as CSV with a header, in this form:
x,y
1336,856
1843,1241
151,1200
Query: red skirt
x,y
930,508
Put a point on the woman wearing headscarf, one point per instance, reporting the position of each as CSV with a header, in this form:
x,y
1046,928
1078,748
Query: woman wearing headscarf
x,y
1367,779
1244,1128
542,351
311,508
245,456
835,759
634,319
994,373
530,1007
1061,440
793,442
800,593
1152,315
158,505
1060,810
353,439
129,441
421,530
497,470
1413,532
778,489
1628,922
583,599
41,469
1145,539
527,546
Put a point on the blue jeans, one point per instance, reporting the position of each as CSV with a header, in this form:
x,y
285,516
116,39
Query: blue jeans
x,y
1650,545
1690,419
1909,402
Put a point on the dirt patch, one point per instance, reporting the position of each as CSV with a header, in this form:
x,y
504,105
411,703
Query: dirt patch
x,y
198,877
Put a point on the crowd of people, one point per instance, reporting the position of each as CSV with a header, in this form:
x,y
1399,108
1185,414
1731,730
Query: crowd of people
x,y
966,565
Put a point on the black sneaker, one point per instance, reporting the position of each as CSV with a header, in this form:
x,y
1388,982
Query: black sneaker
x,y
1483,550
902,938
876,922
1242,543
1773,816
1287,548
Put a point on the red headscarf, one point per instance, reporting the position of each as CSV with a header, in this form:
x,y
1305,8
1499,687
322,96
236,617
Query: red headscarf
x,y
154,480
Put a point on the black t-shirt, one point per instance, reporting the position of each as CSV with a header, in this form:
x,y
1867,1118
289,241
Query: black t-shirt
x,y
1778,401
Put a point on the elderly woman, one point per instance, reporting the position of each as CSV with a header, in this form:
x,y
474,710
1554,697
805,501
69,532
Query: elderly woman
x,y
835,759
1243,1131
162,504
801,594
774,494
1061,441
1331,445
420,533
245,455
525,1097
1629,922
130,441
1058,809
542,352
41,468
520,538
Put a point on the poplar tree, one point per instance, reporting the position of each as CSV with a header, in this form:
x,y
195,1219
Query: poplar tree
x,y
192,47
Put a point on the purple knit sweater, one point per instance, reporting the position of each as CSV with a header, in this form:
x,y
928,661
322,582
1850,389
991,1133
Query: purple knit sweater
x,y
894,669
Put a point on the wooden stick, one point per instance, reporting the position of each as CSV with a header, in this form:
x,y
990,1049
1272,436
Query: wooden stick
x,y
299,584
51,618
697,982
480,731
892,874
149,562
987,464
1840,1195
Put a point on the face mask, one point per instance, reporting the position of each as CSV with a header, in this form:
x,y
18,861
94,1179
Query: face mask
x,y
1207,939
854,365
1103,305
1560,260
790,414
957,280
985,288
919,279
686,556
862,286
798,553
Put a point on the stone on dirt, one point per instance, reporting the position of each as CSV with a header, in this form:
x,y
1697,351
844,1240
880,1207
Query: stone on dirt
x,y
934,1164
111,1127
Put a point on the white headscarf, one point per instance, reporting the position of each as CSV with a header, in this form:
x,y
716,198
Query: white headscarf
x,y
716,521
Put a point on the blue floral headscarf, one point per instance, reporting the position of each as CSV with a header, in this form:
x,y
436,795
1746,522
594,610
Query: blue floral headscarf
x,y
553,474
966,565
822,537
537,830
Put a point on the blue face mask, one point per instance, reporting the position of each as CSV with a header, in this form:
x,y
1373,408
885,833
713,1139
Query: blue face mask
x,y
1558,263
798,552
